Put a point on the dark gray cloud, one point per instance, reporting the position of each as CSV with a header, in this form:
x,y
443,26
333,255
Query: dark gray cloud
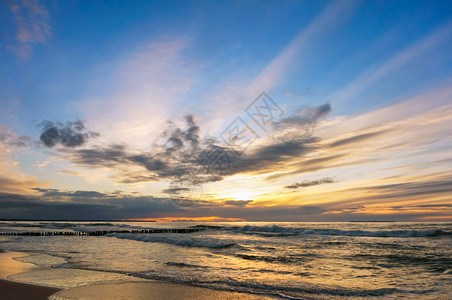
x,y
192,132
291,138
73,194
69,134
240,203
54,204
175,190
272,156
110,156
174,155
79,205
91,205
308,183
290,213
178,139
179,152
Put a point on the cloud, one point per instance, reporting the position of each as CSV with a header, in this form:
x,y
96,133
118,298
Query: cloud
x,y
193,219
240,203
401,59
17,184
231,96
259,212
150,86
407,190
387,136
174,154
10,139
305,117
11,178
33,26
329,19
179,152
405,198
77,205
356,139
291,139
177,139
71,134
70,172
308,183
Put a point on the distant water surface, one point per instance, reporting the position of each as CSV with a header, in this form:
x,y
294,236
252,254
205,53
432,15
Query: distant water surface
x,y
287,260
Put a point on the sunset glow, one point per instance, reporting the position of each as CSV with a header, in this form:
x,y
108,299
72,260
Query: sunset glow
x,y
135,119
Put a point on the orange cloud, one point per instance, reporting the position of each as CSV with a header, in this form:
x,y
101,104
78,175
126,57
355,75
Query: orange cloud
x,y
184,219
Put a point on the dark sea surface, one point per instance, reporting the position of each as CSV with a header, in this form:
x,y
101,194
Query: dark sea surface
x,y
286,260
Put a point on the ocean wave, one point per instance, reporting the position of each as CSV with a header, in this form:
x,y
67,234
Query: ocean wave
x,y
70,225
175,239
280,231
184,265
388,233
301,291
273,259
86,226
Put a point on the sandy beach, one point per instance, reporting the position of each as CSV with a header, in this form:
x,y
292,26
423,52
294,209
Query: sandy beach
x,y
12,290
16,290
149,290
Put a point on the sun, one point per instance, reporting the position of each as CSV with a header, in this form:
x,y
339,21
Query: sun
x,y
241,195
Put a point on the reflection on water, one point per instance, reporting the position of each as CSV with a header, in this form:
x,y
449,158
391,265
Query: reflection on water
x,y
304,260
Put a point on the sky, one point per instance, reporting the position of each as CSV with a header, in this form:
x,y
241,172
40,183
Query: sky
x,y
226,110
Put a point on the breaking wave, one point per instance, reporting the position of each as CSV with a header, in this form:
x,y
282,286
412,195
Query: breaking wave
x,y
175,239
276,230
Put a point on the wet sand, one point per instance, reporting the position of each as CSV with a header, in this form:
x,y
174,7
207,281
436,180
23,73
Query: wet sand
x,y
12,290
149,290
9,266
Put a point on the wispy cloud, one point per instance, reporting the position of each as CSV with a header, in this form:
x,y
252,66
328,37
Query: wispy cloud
x,y
149,88
33,26
332,16
404,57
9,139
391,135
11,178
70,172
416,196
230,99
308,183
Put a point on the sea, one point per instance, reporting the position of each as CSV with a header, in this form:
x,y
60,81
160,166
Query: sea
x,y
347,260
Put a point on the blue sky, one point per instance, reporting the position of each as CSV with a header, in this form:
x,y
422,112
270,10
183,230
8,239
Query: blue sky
x,y
127,68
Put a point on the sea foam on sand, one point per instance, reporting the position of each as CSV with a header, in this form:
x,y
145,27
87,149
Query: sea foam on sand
x,y
148,290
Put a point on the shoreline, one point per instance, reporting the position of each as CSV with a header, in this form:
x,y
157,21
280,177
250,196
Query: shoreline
x,y
16,290
133,290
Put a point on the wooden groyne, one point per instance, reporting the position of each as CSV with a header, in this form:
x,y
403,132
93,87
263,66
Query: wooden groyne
x,y
101,232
